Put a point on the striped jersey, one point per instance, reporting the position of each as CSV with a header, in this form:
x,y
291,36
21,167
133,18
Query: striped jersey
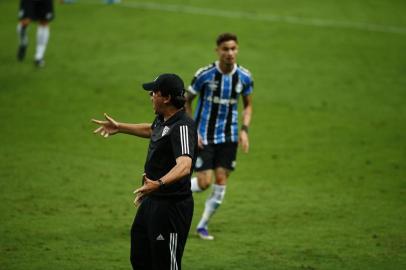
x,y
216,114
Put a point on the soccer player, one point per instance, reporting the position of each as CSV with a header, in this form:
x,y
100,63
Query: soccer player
x,y
219,86
164,216
34,10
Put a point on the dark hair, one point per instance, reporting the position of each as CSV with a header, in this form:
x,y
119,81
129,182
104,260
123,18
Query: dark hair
x,y
177,101
226,37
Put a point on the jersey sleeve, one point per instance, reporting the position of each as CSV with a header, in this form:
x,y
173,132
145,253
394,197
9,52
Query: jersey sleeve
x,y
196,85
199,79
183,140
248,86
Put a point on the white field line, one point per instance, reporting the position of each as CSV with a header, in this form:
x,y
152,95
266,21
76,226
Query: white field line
x,y
265,17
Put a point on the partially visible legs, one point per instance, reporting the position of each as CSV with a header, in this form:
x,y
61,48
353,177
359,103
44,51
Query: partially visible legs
x,y
202,180
25,13
219,159
213,202
42,41
43,12
22,38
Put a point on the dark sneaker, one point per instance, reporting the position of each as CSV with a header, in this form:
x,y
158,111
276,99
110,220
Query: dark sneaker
x,y
39,63
21,52
204,234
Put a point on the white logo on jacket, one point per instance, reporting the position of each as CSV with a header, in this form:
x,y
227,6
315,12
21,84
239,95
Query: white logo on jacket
x,y
165,131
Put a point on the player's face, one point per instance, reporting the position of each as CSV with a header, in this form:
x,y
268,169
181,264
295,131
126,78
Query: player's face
x,y
227,52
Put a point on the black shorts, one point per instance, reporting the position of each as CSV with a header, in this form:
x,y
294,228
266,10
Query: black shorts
x,y
159,233
213,156
36,10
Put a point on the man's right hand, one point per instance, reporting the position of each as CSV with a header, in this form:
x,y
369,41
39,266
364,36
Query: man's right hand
x,y
107,128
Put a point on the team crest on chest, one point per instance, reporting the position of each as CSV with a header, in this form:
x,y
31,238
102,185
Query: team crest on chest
x,y
165,131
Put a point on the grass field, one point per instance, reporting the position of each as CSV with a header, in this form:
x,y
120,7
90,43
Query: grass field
x,y
324,184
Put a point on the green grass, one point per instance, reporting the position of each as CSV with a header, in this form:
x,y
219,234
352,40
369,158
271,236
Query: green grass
x,y
323,186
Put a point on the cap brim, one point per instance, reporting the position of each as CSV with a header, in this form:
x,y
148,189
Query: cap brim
x,y
149,86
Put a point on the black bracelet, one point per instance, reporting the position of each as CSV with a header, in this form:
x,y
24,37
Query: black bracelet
x,y
245,128
161,183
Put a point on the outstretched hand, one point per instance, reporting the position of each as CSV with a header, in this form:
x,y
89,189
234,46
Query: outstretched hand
x,y
107,128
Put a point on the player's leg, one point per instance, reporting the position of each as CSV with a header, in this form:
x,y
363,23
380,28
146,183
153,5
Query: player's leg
x,y
22,38
44,13
42,42
213,202
201,181
225,156
204,169
24,16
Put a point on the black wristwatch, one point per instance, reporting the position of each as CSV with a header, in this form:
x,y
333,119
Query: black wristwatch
x,y
161,183
245,128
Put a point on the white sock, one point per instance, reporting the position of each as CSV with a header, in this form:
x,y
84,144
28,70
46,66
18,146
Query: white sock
x,y
22,34
212,203
194,185
42,41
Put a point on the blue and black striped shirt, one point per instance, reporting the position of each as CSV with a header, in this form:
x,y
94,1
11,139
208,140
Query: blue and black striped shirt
x,y
216,113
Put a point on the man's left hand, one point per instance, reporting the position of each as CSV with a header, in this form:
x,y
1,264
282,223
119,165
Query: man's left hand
x,y
148,187
244,142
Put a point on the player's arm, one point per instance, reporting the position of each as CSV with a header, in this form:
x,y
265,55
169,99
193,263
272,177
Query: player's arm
x,y
192,91
247,112
111,127
189,99
246,120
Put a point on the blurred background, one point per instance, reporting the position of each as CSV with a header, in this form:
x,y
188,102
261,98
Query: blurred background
x,y
323,186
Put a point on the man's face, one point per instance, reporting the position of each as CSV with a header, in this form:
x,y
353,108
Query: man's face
x,y
157,101
227,52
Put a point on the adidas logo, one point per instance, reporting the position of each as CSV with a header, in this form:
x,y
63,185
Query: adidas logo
x,y
160,237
